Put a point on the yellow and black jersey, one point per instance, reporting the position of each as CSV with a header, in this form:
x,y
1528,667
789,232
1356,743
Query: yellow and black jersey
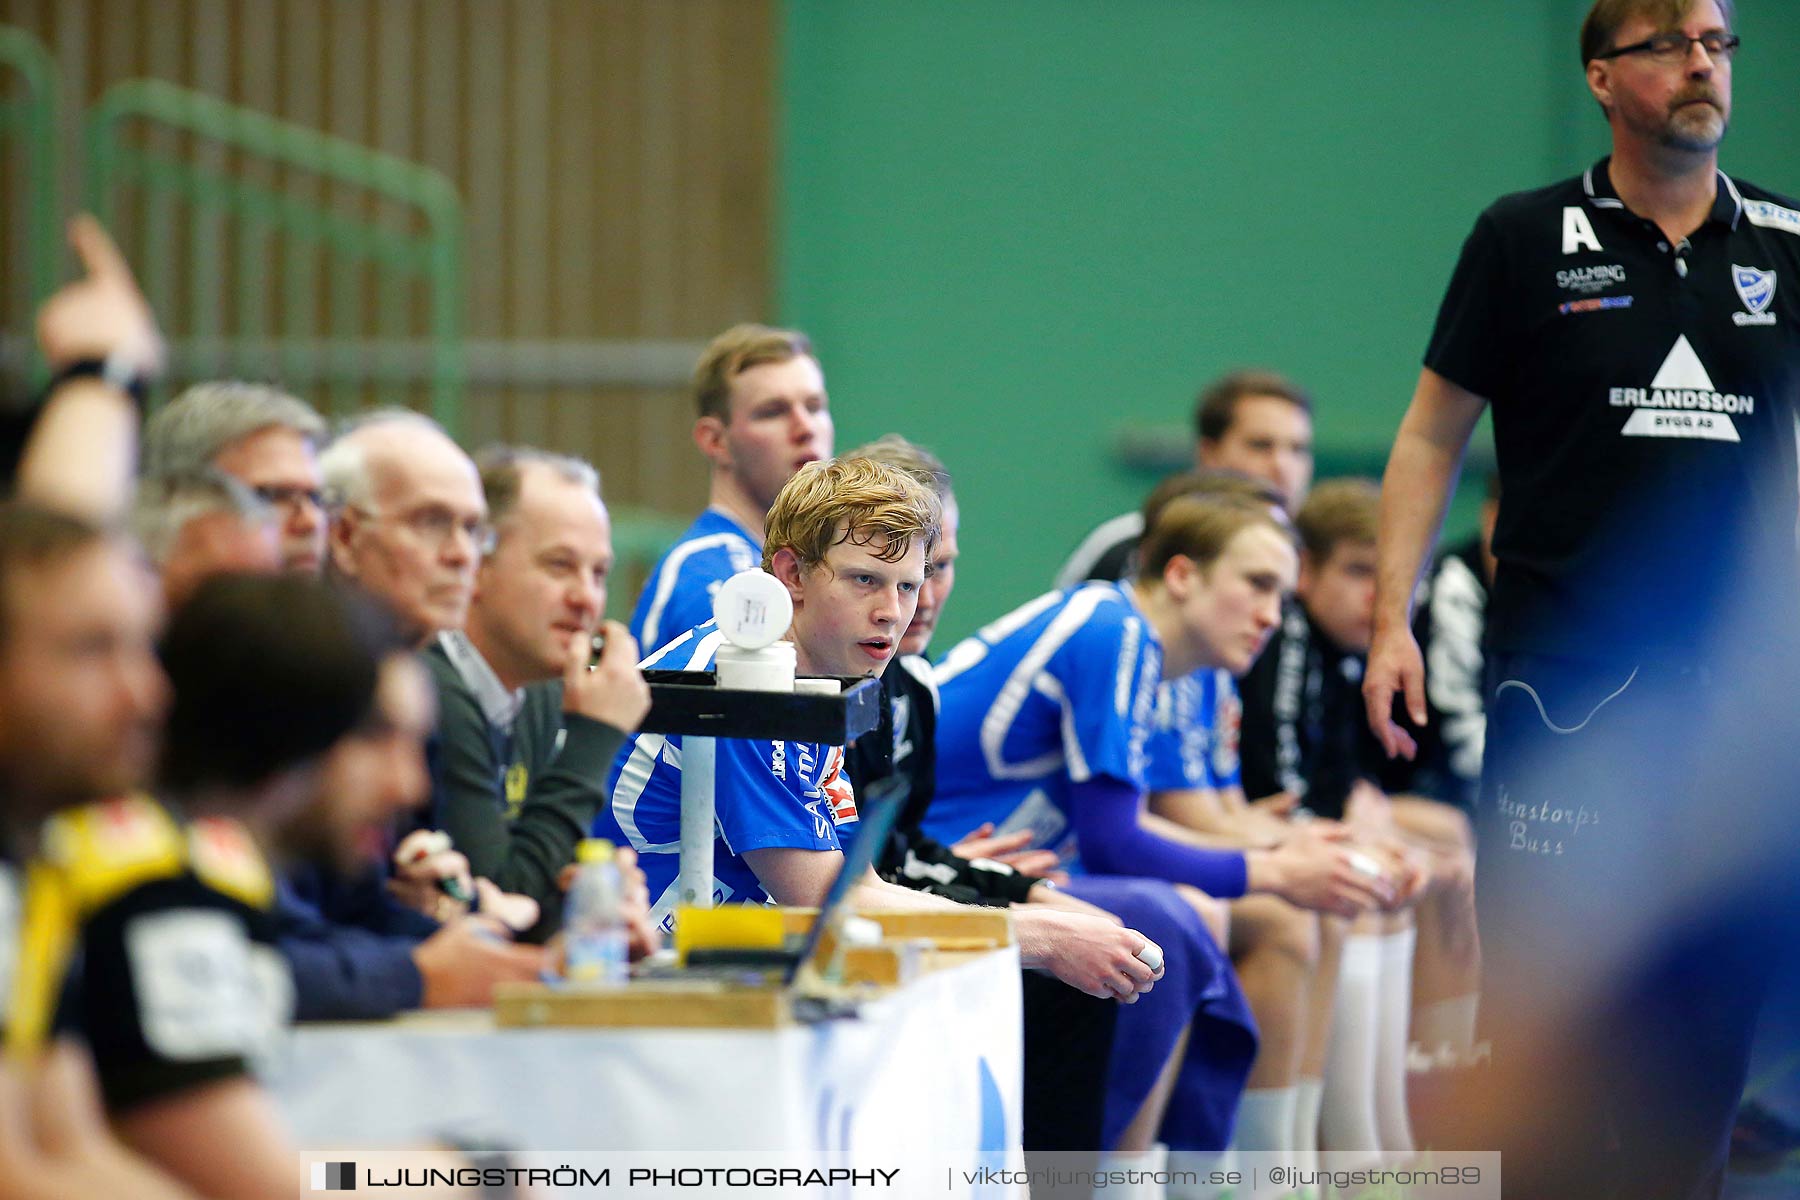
x,y
150,939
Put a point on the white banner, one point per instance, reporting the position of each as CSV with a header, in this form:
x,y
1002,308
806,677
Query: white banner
x,y
934,1067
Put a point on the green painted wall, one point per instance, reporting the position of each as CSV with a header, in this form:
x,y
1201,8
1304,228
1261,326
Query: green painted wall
x,y
1017,228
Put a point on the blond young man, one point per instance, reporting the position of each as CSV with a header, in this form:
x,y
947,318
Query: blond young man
x,y
849,540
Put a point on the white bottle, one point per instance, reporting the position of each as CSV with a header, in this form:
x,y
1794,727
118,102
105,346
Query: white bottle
x,y
594,933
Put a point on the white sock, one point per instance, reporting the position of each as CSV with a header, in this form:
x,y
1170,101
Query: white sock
x,y
1347,1121
1265,1125
1308,1095
1445,1029
1203,1163
1390,1043
1265,1119
1156,1158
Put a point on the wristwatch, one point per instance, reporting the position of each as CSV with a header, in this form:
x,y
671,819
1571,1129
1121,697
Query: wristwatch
x,y
114,370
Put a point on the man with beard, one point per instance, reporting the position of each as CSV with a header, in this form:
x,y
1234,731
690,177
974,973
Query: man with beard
x,y
143,924
1643,367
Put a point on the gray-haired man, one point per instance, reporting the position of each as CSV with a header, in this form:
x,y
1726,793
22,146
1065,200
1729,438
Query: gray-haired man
x,y
409,524
193,526
263,437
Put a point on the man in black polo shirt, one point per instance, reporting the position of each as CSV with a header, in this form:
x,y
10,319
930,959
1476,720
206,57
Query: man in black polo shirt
x,y
1643,363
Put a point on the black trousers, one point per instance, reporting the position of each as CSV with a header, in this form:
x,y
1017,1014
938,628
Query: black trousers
x,y
1068,1039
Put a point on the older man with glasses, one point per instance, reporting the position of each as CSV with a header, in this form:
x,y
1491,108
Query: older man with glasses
x,y
1643,366
261,436
409,528
410,523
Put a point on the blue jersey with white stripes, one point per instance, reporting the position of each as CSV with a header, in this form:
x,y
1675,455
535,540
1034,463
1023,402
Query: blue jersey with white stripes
x,y
1056,693
678,594
767,794
1193,739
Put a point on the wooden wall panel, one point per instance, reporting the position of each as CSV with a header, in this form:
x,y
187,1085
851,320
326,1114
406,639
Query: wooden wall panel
x,y
615,158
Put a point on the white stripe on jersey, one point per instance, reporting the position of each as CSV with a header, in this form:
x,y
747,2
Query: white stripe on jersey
x,y
1095,545
919,667
1028,673
1128,651
1453,664
1076,761
972,650
671,572
699,654
645,749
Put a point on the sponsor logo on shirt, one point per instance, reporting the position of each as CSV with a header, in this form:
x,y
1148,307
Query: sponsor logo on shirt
x,y
1588,280
1577,231
778,759
902,713
838,792
1681,402
1598,304
1228,721
1772,216
1756,288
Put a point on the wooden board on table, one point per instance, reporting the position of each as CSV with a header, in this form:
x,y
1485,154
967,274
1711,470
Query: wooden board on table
x,y
970,928
648,1004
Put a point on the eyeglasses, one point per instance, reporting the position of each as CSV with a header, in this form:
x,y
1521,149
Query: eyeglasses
x,y
283,495
435,526
1675,47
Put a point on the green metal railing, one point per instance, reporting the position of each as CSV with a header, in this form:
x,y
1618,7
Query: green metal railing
x,y
415,239
29,118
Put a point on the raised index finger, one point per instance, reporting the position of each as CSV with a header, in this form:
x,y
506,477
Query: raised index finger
x,y
100,258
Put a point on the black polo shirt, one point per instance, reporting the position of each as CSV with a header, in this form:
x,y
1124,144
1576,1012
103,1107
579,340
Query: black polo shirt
x,y
1644,399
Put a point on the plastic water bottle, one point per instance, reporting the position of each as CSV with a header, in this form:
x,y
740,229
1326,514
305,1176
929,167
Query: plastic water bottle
x,y
593,922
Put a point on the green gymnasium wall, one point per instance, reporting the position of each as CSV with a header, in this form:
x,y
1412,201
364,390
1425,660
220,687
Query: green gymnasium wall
x,y
1020,228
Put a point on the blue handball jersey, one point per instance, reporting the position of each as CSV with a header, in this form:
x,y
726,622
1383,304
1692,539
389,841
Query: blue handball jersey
x,y
1193,739
678,595
767,794
1051,695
